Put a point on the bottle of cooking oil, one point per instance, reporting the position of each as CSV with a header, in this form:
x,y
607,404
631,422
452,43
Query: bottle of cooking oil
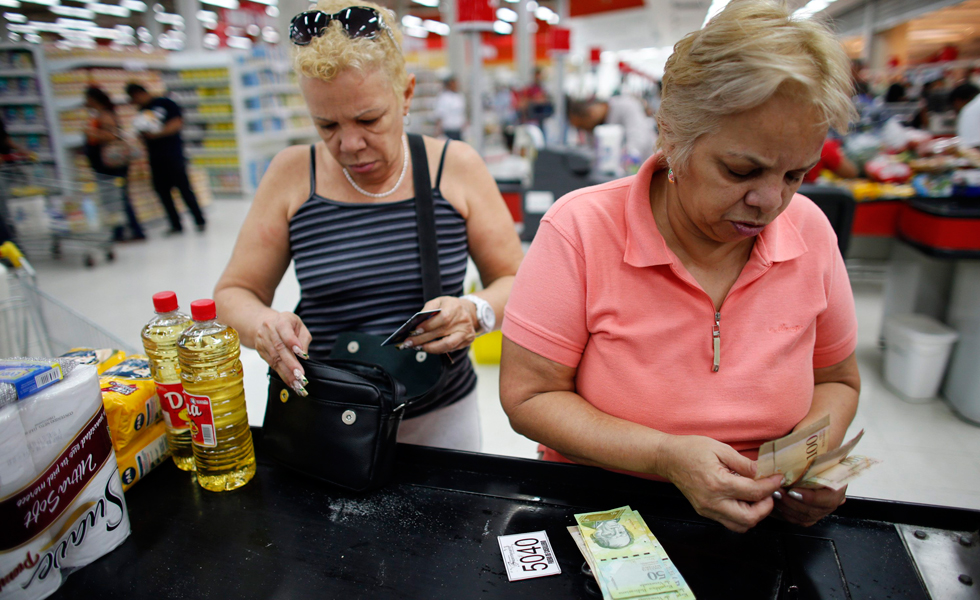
x,y
211,372
160,343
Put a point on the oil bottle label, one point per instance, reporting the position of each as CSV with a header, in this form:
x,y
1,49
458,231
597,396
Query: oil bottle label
x,y
174,408
202,420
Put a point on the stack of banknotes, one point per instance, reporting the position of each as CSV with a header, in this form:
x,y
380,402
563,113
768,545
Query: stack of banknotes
x,y
803,460
626,559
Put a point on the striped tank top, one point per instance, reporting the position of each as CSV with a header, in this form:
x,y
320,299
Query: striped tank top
x,y
359,269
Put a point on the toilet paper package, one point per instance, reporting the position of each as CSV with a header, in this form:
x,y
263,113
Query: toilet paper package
x,y
61,499
101,358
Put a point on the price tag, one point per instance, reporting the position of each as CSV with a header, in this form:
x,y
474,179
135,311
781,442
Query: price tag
x,y
528,555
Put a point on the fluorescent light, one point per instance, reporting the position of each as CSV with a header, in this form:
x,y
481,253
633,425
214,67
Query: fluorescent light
x,y
10,3
109,9
429,3
411,21
503,28
71,11
18,28
436,27
543,13
416,32
45,2
532,6
15,17
242,43
229,4
506,14
207,15
168,18
33,38
272,11
133,5
73,24
268,2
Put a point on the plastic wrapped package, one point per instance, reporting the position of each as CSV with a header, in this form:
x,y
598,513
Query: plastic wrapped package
x,y
143,454
103,358
130,398
69,509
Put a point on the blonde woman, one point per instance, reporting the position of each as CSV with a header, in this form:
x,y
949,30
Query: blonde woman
x,y
342,210
669,323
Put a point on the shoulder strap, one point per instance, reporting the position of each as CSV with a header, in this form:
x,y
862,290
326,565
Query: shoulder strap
x,y
312,170
442,161
426,219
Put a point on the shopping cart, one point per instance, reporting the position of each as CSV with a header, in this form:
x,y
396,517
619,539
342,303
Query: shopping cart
x,y
33,323
76,213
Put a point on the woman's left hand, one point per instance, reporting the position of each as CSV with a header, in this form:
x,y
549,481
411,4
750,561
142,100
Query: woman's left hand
x,y
451,329
805,506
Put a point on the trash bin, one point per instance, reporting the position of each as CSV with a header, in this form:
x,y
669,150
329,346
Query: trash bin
x,y
917,348
962,387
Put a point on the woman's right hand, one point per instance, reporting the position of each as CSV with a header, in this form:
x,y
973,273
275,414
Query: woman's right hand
x,y
279,339
718,481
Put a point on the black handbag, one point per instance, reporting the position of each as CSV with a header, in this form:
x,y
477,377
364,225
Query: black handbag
x,y
344,432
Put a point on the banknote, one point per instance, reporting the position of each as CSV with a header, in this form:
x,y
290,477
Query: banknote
x,y
839,475
573,531
793,455
627,559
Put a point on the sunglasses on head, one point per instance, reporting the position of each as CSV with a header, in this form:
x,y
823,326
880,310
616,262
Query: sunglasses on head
x,y
356,21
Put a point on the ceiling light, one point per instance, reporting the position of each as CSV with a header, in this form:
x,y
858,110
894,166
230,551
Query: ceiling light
x,y
416,32
133,5
45,2
503,28
211,41
411,21
429,3
144,35
169,18
33,38
236,41
436,27
113,10
10,3
73,23
543,13
146,48
15,17
272,11
207,15
506,14
71,11
229,4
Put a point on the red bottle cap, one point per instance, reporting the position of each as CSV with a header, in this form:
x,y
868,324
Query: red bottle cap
x,y
165,302
203,310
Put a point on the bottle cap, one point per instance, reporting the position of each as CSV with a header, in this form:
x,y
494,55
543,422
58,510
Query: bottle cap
x,y
165,302
203,310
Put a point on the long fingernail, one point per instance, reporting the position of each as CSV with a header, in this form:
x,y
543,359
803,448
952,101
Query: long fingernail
x,y
299,376
300,389
796,495
406,345
298,352
777,495
419,331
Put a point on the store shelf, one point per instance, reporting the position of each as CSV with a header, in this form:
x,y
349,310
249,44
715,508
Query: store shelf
x,y
285,135
204,100
20,101
199,118
26,129
280,112
130,64
75,140
17,73
270,89
209,135
203,83
212,152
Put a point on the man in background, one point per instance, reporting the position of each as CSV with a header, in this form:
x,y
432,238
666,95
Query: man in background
x,y
965,102
623,110
159,123
451,110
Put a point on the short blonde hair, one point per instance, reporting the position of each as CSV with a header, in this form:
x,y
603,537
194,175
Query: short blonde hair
x,y
330,54
742,58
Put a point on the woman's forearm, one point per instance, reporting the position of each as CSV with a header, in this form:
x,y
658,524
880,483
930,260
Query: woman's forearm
x,y
497,294
243,310
837,400
567,423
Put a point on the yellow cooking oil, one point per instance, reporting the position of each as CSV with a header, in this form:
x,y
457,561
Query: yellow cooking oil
x,y
211,372
160,343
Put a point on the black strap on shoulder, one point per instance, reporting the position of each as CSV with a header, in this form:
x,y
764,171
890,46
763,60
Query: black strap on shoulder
x,y
442,161
426,219
312,170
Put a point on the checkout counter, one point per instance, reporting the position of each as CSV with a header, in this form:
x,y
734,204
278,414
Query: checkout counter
x,y
431,534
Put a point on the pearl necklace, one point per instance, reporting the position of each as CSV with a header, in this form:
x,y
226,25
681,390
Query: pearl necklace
x,y
397,184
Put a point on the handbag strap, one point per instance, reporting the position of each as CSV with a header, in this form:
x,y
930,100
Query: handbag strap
x,y
425,219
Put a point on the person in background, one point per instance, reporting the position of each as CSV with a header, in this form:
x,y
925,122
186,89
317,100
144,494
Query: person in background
x,y
533,102
343,212
451,110
933,100
965,102
160,123
668,324
833,159
104,128
623,110
897,92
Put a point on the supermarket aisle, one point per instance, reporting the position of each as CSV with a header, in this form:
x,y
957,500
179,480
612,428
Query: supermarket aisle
x,y
930,455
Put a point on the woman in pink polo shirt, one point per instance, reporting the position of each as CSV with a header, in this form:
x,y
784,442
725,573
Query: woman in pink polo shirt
x,y
669,323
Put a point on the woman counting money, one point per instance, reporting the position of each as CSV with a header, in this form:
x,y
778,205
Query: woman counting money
x,y
669,323
343,210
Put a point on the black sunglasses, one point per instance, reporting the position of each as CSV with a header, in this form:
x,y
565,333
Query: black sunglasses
x,y
357,22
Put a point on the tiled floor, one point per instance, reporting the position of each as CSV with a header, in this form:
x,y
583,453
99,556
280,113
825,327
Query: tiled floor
x,y
930,455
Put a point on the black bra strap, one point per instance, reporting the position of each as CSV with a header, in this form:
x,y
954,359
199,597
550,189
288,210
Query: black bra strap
x,y
312,170
426,219
442,161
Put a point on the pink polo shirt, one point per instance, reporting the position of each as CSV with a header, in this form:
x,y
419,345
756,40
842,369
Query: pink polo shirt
x,y
600,291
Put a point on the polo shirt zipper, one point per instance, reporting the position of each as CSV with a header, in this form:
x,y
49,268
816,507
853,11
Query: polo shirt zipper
x,y
716,341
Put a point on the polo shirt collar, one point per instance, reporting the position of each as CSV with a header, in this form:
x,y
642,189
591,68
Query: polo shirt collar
x,y
780,241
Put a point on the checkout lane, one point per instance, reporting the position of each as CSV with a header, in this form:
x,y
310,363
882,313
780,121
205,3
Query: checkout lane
x,y
431,533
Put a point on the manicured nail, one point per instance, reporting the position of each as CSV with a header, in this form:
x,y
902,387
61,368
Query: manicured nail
x,y
300,353
299,376
796,496
299,389
406,345
419,331
777,495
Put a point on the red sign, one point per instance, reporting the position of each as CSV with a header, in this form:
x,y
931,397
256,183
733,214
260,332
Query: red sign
x,y
172,402
480,11
561,39
595,55
202,420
